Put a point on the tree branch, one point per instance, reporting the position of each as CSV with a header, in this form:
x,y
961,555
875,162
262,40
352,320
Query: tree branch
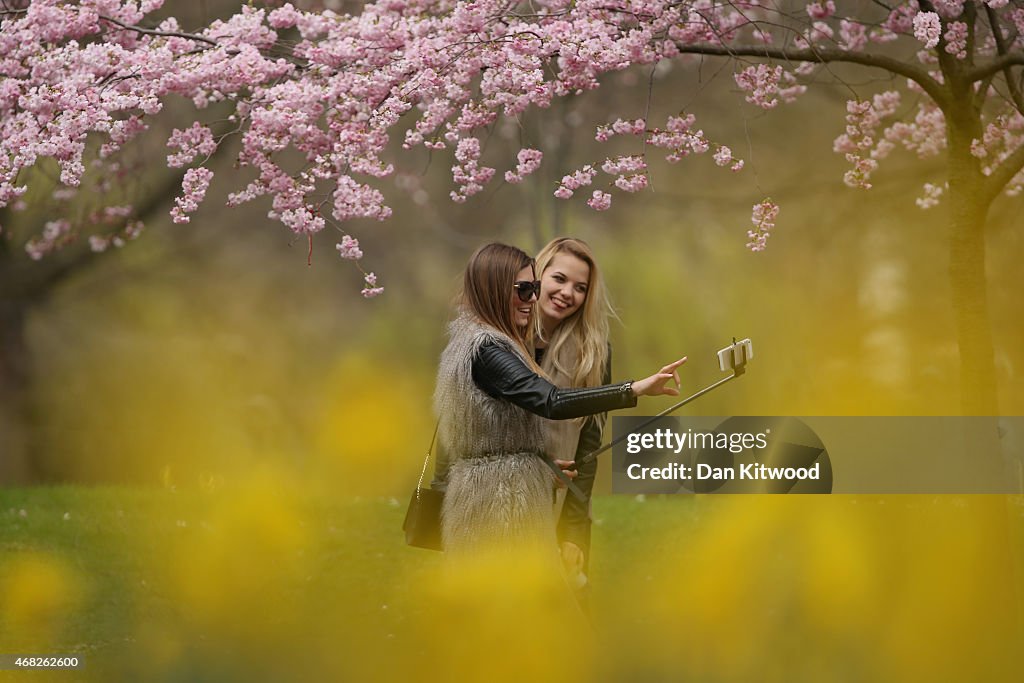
x,y
997,33
970,14
154,32
823,55
1004,173
33,281
979,96
136,29
953,72
59,269
995,66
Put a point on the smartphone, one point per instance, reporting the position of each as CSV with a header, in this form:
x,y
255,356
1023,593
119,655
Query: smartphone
x,y
735,356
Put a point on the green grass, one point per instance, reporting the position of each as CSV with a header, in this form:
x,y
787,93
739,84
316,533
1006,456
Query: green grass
x,y
117,542
338,589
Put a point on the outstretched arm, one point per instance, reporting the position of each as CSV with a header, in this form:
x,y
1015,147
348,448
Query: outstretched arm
x,y
502,374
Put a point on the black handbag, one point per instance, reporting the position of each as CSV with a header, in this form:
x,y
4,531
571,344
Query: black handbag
x,y
422,525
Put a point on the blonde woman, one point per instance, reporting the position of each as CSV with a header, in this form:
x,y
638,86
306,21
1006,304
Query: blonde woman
x,y
571,346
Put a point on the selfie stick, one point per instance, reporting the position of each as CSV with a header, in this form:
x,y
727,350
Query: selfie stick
x,y
734,357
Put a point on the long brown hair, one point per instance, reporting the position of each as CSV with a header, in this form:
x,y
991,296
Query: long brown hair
x,y
487,288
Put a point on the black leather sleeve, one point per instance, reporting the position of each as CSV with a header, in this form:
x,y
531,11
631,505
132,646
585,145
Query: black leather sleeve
x,y
502,374
574,523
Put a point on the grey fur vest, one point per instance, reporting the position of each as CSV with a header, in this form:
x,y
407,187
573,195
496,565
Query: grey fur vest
x,y
499,488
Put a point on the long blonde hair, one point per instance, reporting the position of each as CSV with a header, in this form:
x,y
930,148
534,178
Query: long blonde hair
x,y
577,350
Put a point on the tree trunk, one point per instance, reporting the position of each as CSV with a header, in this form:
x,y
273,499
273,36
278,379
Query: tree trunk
x,y
968,210
15,423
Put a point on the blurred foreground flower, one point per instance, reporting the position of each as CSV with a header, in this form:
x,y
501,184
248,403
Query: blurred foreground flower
x,y
504,614
38,594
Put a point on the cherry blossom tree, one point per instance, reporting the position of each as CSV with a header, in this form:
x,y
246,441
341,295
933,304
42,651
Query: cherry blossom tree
x,y
320,101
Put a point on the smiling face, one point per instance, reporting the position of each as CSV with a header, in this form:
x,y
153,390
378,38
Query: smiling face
x,y
563,288
521,309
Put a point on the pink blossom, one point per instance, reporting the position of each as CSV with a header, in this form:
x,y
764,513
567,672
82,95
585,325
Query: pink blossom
x,y
624,164
925,135
600,201
853,34
860,173
901,19
621,127
1017,17
284,17
633,183
575,181
820,32
956,39
371,289
860,143
723,157
302,220
763,217
928,28
680,124
348,248
529,161
821,10
469,176
949,9
762,82
931,196
98,244
679,137
353,199
55,234
319,102
190,142
370,292
193,186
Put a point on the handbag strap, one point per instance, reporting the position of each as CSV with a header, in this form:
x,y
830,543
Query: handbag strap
x,y
423,472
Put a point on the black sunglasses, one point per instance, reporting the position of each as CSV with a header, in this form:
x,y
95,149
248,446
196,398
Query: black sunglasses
x,y
526,289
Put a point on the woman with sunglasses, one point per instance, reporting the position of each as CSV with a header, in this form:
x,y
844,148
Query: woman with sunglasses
x,y
490,400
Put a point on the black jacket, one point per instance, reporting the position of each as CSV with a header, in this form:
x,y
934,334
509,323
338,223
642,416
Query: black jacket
x,y
502,374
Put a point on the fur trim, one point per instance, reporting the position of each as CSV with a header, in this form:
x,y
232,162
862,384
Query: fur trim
x,y
498,488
